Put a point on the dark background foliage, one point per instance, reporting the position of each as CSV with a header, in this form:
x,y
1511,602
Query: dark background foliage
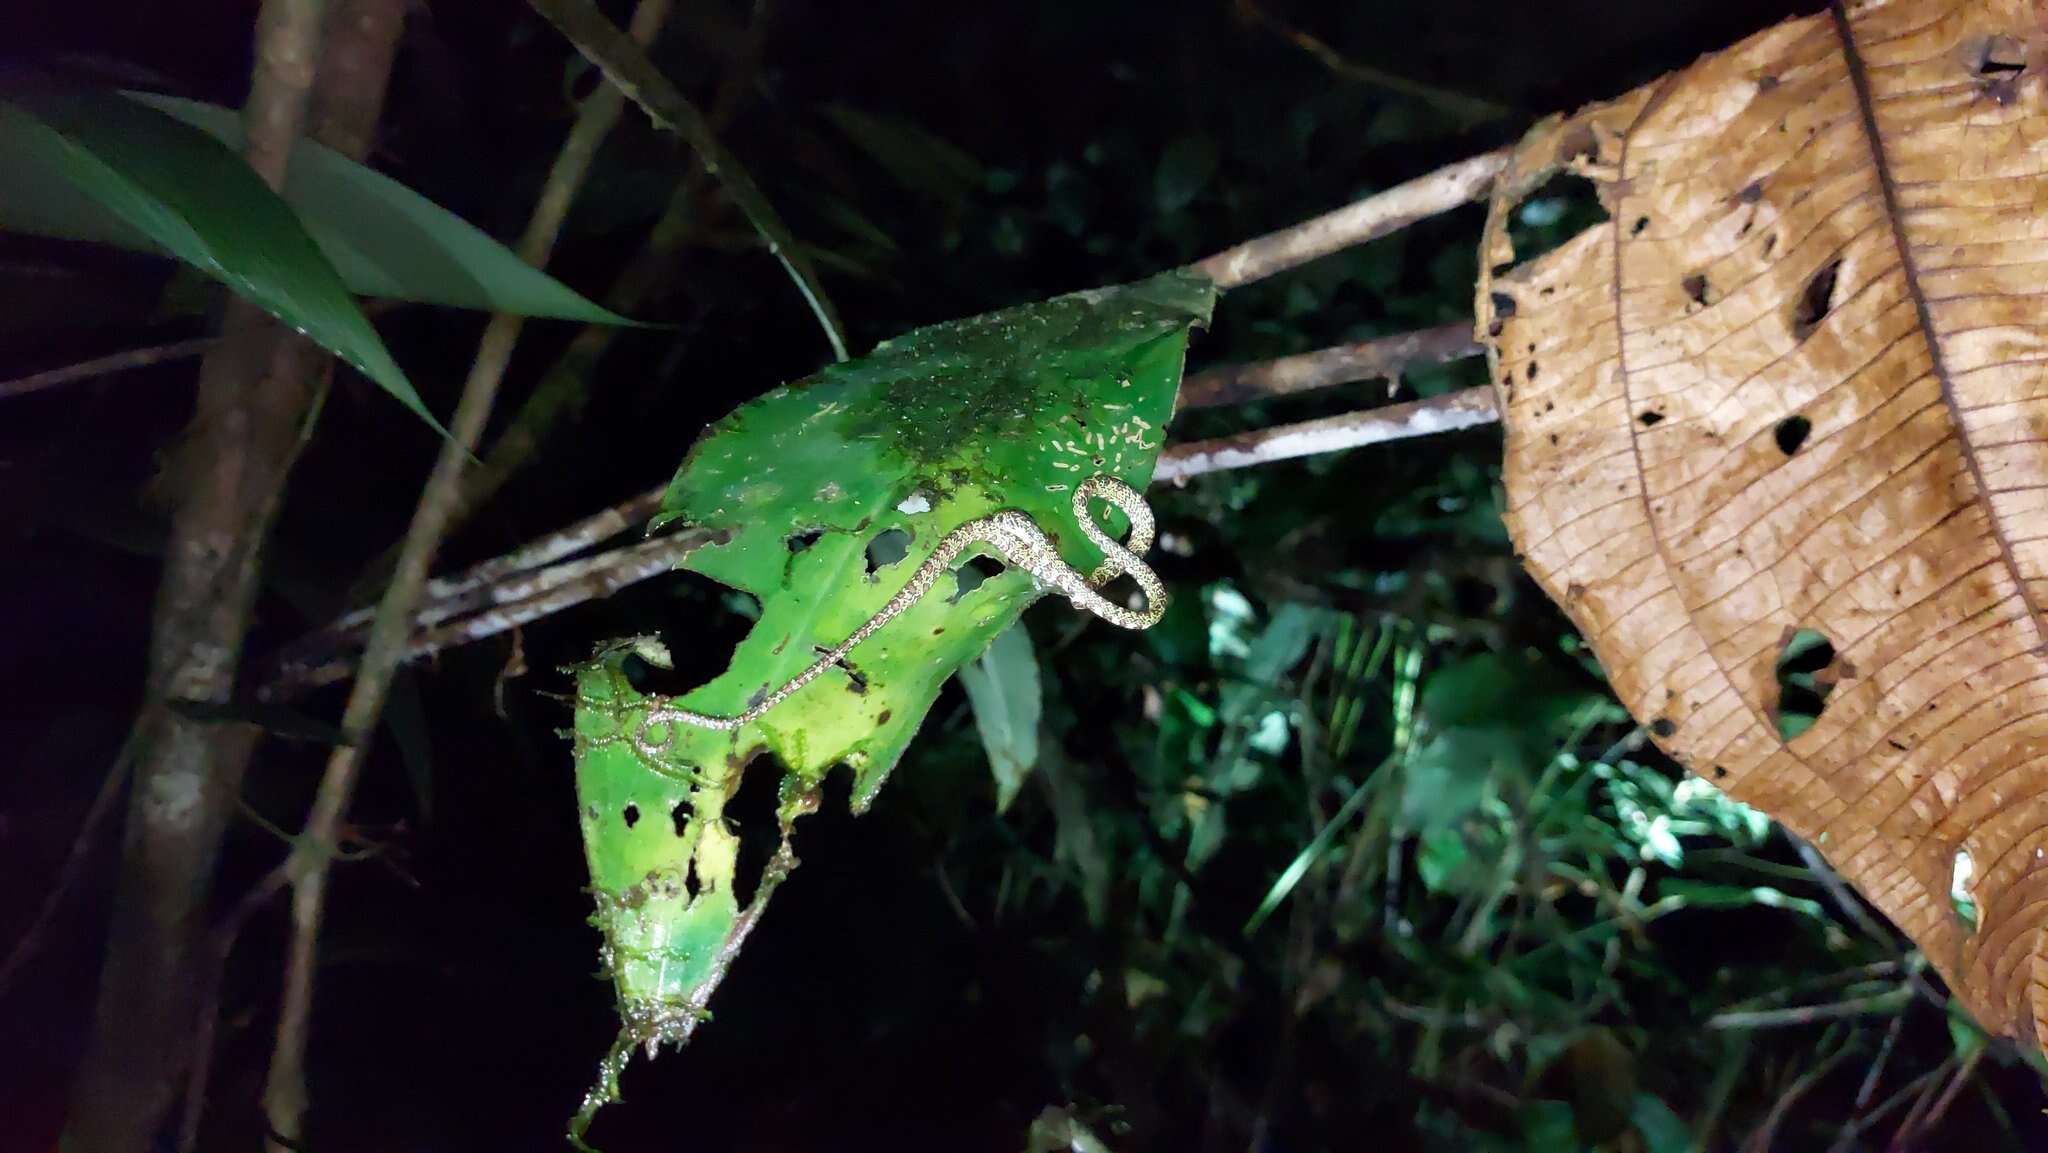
x,y
935,975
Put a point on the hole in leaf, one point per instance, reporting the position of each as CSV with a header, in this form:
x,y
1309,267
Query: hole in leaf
x,y
1791,433
680,815
887,549
800,541
1961,897
1816,300
1803,683
1503,304
973,574
2001,56
692,883
632,814
1563,207
750,815
1650,418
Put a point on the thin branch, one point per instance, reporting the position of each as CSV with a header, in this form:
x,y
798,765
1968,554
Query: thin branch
x,y
31,940
1877,1004
627,66
134,358
511,604
222,945
284,1095
102,365
1471,109
1385,357
1368,219
1466,408
532,582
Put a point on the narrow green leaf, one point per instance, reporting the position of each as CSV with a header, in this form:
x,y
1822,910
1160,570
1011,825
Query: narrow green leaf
x,y
388,241
1004,689
384,239
192,197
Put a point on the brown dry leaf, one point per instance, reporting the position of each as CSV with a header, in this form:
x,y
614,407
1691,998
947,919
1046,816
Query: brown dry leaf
x,y
1799,381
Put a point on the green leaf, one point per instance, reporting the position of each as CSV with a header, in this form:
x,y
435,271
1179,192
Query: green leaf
x,y
919,162
1447,777
931,430
384,239
1185,168
1661,1129
1003,687
192,197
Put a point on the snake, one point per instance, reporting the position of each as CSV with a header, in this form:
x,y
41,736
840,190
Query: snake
x,y
1015,537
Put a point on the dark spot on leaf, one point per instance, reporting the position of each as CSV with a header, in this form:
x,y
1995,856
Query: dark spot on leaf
x,y
1751,192
1664,727
680,814
1636,229
1720,772
1791,433
1899,745
632,814
1816,300
1532,370
1553,438
1766,82
1650,418
886,549
1574,591
1804,680
1696,288
882,718
856,681
1770,244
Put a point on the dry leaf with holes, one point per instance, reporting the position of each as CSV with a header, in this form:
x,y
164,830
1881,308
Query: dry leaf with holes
x,y
1794,394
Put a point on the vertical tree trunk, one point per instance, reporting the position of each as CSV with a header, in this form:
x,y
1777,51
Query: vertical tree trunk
x,y
254,402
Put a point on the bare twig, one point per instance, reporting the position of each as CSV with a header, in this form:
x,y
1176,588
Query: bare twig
x,y
627,66
563,389
223,943
102,365
527,584
520,600
1385,357
1472,109
1465,408
447,596
133,358
1368,219
1853,907
31,940
1760,1141
284,1096
1877,1004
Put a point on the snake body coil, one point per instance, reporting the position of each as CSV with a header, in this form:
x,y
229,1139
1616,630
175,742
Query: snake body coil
x,y
1019,541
